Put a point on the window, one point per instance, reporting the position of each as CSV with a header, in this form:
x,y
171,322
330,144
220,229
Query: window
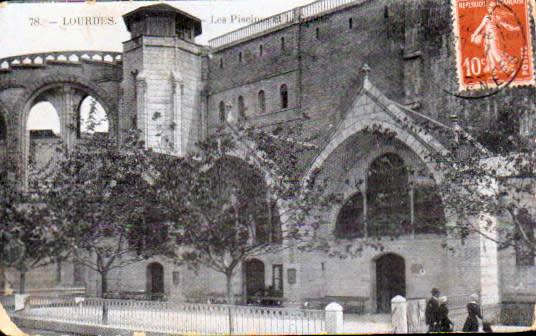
x,y
524,239
429,216
262,102
388,202
277,280
350,221
283,93
3,128
317,33
221,63
391,205
240,57
222,112
241,108
282,43
260,50
350,23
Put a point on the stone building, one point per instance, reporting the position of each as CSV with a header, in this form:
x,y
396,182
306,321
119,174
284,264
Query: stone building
x,y
335,67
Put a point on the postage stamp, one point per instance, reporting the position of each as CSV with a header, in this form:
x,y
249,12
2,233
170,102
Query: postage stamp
x,y
493,43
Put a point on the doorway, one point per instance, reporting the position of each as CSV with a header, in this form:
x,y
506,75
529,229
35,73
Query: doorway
x,y
390,280
254,274
155,281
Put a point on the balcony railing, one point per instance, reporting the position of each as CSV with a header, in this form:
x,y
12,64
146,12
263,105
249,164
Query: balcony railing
x,y
277,20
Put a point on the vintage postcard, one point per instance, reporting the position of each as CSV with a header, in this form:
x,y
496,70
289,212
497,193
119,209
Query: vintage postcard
x,y
267,167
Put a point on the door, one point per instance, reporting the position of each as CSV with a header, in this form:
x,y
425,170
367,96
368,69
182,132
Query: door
x,y
390,280
254,278
155,277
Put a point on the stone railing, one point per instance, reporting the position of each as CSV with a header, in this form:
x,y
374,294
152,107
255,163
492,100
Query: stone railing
x,y
60,57
277,20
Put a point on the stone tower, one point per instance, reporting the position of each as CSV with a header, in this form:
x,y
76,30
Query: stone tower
x,y
162,78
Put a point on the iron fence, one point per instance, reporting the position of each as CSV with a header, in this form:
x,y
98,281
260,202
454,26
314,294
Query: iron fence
x,y
170,317
8,302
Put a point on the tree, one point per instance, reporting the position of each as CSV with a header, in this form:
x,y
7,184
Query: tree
x,y
28,239
497,180
98,196
237,196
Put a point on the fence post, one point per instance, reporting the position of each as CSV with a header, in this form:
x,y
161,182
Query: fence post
x,y
534,317
334,322
20,301
416,321
399,318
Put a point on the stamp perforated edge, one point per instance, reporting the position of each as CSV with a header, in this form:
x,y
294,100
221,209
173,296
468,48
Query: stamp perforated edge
x,y
514,83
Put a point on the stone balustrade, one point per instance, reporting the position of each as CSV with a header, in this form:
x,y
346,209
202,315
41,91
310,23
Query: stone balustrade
x,y
60,57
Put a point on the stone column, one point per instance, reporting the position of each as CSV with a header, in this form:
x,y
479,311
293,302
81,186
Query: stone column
x,y
66,100
176,118
141,106
399,316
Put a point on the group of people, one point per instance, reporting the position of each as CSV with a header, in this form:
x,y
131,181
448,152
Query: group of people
x,y
437,314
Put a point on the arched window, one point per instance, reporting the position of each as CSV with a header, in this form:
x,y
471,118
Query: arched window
x,y
283,93
282,43
92,119
241,108
350,23
221,63
429,216
260,50
44,130
240,57
3,128
350,221
388,201
317,33
261,102
392,206
222,112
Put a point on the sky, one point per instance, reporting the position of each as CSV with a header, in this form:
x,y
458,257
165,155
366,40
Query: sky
x,y
40,27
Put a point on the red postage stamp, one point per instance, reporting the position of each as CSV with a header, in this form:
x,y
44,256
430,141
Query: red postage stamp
x,y
493,43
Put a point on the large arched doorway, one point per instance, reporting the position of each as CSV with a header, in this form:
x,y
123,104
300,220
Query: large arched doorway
x,y
76,112
254,278
390,280
155,281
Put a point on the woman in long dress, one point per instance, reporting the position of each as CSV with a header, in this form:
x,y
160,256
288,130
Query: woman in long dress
x,y
489,33
473,314
444,323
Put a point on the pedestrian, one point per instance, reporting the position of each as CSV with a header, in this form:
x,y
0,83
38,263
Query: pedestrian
x,y
444,323
432,310
486,327
473,314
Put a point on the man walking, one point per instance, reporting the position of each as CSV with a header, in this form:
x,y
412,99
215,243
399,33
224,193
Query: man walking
x,y
431,313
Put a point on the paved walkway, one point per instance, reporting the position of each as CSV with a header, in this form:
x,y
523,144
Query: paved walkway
x,y
33,332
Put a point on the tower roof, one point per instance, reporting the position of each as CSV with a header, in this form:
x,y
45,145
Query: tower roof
x,y
162,9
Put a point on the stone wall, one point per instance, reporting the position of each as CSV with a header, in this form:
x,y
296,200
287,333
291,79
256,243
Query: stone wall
x,y
168,92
